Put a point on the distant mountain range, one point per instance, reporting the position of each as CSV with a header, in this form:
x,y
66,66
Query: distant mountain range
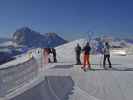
x,y
2,40
128,40
27,37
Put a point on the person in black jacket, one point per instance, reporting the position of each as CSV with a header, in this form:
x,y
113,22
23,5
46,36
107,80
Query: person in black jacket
x,y
86,58
49,52
54,55
78,52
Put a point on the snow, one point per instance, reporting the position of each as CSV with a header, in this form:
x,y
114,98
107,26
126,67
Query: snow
x,y
7,43
66,52
66,81
18,60
119,52
74,84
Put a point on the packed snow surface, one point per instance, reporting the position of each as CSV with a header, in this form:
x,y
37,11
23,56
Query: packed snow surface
x,y
65,81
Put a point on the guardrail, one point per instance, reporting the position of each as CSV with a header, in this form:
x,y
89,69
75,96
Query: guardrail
x,y
16,76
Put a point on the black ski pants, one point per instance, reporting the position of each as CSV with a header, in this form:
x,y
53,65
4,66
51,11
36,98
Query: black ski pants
x,y
78,59
104,60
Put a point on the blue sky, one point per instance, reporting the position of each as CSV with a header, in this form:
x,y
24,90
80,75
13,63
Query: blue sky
x,y
69,18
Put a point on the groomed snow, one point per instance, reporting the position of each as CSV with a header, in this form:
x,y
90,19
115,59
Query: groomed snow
x,y
65,81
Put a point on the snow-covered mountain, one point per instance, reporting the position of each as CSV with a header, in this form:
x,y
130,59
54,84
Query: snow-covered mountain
x,y
30,38
7,44
121,40
53,39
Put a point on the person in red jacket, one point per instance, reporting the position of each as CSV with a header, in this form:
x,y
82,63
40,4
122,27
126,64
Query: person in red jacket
x,y
86,59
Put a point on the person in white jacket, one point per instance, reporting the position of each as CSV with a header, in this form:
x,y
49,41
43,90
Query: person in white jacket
x,y
106,52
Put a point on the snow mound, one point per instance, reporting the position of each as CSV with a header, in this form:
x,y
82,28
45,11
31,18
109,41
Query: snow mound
x,y
7,43
66,52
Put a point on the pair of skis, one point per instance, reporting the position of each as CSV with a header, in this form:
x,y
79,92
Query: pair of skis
x,y
91,69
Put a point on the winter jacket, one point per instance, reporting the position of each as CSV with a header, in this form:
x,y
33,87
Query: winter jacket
x,y
106,50
53,51
78,50
87,50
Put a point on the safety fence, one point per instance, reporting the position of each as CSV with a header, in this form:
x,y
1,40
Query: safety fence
x,y
16,76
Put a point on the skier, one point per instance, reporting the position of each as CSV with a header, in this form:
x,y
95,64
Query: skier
x,y
78,52
86,58
106,52
54,55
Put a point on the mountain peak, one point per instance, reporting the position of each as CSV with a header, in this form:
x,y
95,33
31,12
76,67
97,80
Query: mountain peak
x,y
24,29
30,38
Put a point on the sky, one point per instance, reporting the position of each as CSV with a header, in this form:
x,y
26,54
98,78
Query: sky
x,y
71,19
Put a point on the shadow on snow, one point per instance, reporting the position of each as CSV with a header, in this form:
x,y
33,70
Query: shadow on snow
x,y
51,88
